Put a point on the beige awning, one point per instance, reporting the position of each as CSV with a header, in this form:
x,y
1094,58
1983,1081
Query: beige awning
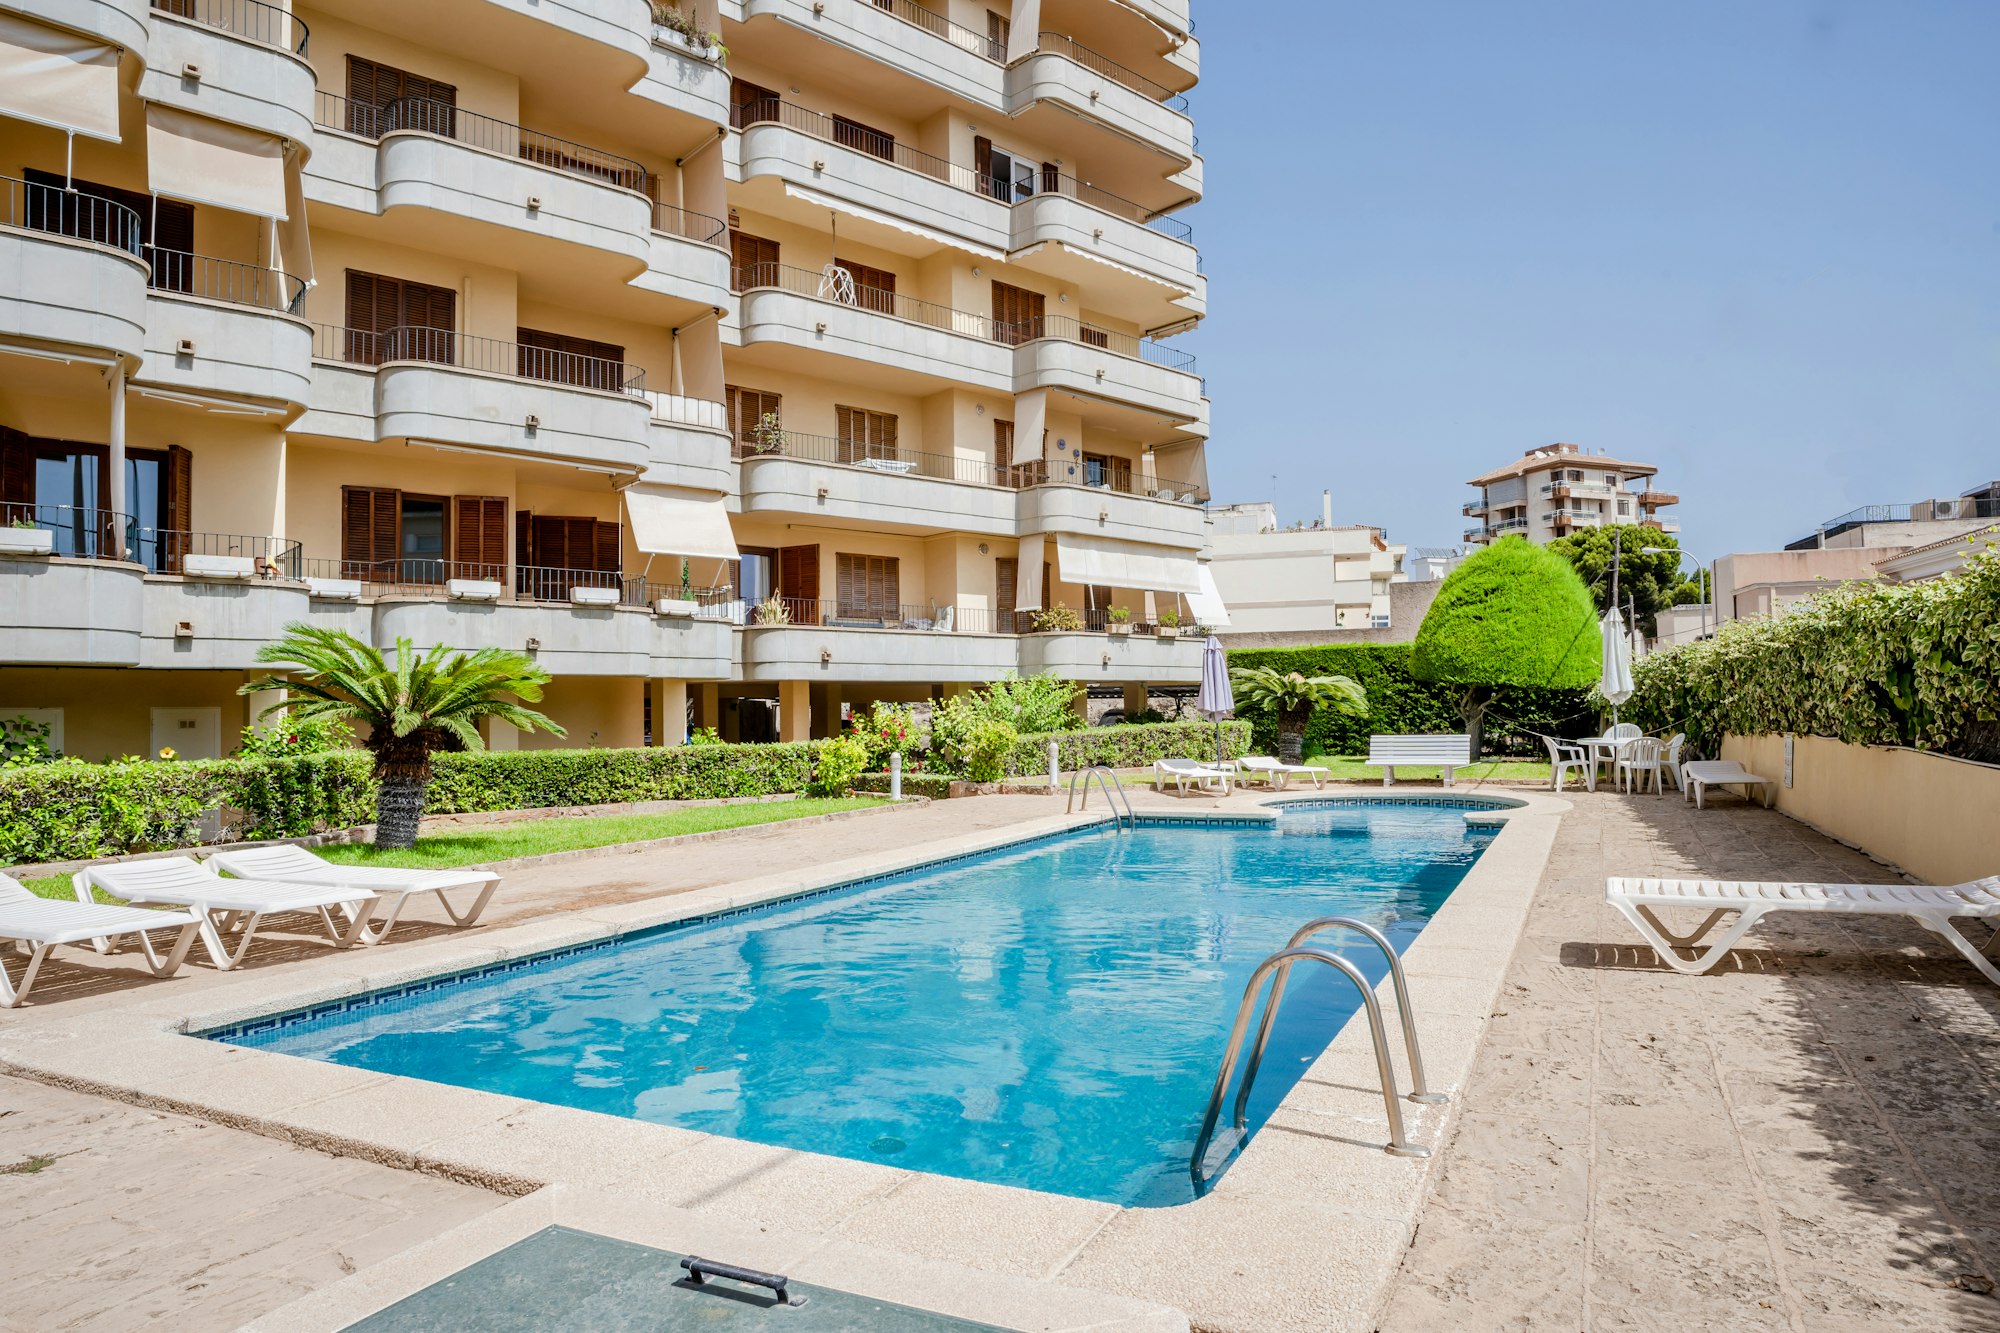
x,y
1182,466
866,214
1084,252
1028,574
1207,604
1110,563
294,240
207,162
666,520
58,78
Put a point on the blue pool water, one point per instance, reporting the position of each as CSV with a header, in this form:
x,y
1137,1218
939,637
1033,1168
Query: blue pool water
x,y
1048,1016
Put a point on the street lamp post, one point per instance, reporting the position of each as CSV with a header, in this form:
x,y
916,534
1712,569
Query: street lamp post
x,y
1703,577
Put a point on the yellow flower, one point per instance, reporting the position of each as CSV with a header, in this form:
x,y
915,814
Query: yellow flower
x,y
167,752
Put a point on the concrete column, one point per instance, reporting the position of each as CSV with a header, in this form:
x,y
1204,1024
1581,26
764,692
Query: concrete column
x,y
708,706
795,710
826,709
1080,705
257,703
115,442
1135,700
624,715
670,701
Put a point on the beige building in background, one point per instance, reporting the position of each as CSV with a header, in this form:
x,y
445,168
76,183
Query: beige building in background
x,y
1315,579
1554,490
739,389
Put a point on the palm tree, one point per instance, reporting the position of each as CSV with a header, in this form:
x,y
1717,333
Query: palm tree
x,y
417,705
1293,696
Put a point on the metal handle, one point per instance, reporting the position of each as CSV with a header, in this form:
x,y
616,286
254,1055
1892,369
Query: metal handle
x,y
700,1270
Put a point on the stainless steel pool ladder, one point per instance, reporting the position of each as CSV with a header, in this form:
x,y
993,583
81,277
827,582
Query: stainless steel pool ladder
x,y
1114,794
1279,966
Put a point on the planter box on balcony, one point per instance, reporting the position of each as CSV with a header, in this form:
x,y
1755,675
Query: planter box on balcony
x,y
676,606
334,590
1116,627
667,37
27,541
472,590
219,566
593,596
1168,631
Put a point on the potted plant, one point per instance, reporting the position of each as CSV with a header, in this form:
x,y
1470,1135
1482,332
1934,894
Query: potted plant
x,y
767,436
1118,620
1170,624
684,30
23,537
771,611
1055,620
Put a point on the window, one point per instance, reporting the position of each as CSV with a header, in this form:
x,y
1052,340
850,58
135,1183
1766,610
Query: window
x,y
753,261
1006,580
558,552
998,30
381,97
70,207
1001,173
874,288
390,319
1017,314
392,536
863,138
865,434
561,359
752,103
754,420
1108,471
64,487
867,587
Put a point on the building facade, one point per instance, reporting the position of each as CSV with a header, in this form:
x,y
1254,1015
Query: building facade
x,y
1308,580
741,380
1552,491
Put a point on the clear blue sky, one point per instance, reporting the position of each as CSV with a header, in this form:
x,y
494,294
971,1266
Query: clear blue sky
x,y
1756,242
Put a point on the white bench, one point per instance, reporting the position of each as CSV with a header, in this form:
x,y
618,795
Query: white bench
x,y
1446,752
1698,775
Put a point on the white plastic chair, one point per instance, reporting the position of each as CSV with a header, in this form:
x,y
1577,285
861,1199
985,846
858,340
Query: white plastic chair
x,y
1563,757
1638,759
1674,745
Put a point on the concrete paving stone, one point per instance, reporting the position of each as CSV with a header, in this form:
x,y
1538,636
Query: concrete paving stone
x,y
1529,1083
1833,1296
1289,1157
534,1144
397,1119
981,1226
1503,1166
752,1182
1449,1279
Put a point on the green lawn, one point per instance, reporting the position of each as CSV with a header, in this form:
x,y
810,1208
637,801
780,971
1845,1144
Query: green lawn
x,y
534,837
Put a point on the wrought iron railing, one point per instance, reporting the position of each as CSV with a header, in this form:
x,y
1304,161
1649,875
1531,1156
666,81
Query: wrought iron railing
x,y
491,355
246,18
165,550
428,115
677,410
885,460
967,39
1055,182
1068,328
1055,43
881,301
78,532
868,614
71,213
409,576
847,134
226,280
676,221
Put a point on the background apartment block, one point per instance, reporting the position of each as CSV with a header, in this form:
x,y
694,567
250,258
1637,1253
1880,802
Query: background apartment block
x,y
1315,579
735,389
1552,491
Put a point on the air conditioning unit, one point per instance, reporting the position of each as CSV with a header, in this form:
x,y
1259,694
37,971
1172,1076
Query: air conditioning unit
x,y
1945,508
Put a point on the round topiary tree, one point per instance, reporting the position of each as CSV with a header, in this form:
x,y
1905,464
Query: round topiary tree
x,y
1515,614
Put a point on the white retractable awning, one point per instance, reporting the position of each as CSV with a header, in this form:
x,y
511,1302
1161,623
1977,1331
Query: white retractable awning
x,y
1028,574
666,520
207,162
294,238
891,220
1092,255
1207,604
1115,564
58,78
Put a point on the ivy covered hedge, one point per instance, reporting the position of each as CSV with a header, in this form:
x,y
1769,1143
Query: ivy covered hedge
x,y
937,786
1914,664
1399,704
1134,746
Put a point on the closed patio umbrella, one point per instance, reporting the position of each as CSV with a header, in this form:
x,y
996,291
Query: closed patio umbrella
x,y
1616,683
1215,701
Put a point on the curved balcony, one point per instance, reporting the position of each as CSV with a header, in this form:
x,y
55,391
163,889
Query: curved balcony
x,y
882,330
223,327
831,641
788,472
1065,74
610,38
1113,657
683,78
688,256
195,623
567,640
71,270
1098,511
68,607
119,23
688,441
480,393
1100,228
1060,352
914,39
251,58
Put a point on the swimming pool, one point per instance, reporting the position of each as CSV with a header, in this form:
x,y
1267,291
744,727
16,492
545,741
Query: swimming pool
x,y
1049,1015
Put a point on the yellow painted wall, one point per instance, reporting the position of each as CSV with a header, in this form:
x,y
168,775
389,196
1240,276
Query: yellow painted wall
x,y
603,712
107,711
1930,814
488,298
481,89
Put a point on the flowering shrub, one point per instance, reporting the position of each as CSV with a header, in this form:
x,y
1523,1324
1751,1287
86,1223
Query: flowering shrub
x,y
286,739
888,729
839,763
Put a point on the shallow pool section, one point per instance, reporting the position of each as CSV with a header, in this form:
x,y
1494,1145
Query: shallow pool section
x,y
1050,1015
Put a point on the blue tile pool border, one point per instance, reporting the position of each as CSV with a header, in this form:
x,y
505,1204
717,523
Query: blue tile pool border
x,y
238,1031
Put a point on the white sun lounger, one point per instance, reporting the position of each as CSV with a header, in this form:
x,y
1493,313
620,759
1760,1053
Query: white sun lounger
x,y
392,888
1697,775
1278,775
1205,777
1932,908
224,905
40,924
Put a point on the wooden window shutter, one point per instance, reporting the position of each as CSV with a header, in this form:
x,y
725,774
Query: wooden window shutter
x,y
364,319
369,522
999,29
479,534
609,553
798,582
1051,178
844,429
524,537
874,288
1017,314
888,432
982,165
180,489
751,103
171,248
864,138
753,261
17,471
1006,579
1003,444
847,575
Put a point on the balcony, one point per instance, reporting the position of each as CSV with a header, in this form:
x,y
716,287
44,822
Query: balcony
x,y
1061,352
480,393
690,81
120,23
541,193
688,257
908,38
689,442
790,472
72,606
71,271
1473,509
1100,511
920,343
1065,74
1657,499
217,326
251,58
610,38
1113,657
1104,229
803,638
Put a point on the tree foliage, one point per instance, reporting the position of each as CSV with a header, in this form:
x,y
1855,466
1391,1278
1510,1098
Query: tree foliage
x,y
1294,697
1513,614
1649,583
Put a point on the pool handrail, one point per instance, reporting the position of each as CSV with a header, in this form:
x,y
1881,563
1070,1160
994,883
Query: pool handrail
x,y
1108,780
1398,1145
1418,1091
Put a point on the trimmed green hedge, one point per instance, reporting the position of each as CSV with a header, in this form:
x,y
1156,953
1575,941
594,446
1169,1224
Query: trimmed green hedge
x,y
1134,746
1914,664
529,779
937,786
1399,704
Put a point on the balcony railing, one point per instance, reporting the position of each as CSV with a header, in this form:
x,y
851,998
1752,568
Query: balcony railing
x,y
489,355
1657,499
166,550
702,413
1054,43
694,226
1054,182
847,134
252,19
879,300
938,25
427,115
887,460
1070,329
80,533
430,577
225,280
71,213
867,614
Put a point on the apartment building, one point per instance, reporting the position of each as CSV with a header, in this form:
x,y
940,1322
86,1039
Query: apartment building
x,y
1310,579
1554,490
738,382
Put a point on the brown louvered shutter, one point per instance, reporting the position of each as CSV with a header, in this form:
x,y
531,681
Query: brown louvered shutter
x,y
1003,444
1051,178
524,537
364,319
864,138
886,586
798,582
368,531
17,472
751,103
171,224
998,30
1017,314
363,99
479,535
887,422
180,489
1006,578
844,429
982,165
753,261
874,288
1121,475
849,580
430,314
610,548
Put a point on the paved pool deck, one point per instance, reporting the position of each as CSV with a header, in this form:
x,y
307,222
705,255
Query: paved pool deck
x,y
1803,1141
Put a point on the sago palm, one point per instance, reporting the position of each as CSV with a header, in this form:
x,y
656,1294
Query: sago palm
x,y
413,706
1292,696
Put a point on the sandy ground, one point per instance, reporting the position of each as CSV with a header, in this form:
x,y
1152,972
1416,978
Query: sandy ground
x,y
1805,1139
